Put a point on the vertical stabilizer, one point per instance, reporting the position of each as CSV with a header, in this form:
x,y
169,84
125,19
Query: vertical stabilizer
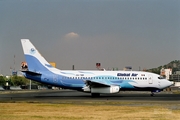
x,y
35,61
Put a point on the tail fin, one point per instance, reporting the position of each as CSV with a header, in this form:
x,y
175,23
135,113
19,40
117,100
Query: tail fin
x,y
35,62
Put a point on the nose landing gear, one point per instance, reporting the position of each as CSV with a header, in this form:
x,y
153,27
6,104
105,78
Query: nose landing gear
x,y
155,91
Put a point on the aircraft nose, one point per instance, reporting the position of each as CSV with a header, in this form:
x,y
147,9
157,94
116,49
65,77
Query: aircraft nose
x,y
170,83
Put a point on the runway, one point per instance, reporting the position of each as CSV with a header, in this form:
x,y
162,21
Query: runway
x,y
57,96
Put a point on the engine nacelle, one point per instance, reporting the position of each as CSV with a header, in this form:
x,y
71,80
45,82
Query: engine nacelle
x,y
111,89
86,89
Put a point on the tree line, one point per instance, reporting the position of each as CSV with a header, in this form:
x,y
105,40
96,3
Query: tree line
x,y
13,80
174,65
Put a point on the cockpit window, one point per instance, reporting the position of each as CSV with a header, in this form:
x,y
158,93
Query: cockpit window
x,y
161,77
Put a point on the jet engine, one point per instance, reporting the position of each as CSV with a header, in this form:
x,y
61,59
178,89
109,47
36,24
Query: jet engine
x,y
110,89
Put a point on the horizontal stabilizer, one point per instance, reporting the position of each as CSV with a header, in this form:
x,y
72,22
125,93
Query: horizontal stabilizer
x,y
31,73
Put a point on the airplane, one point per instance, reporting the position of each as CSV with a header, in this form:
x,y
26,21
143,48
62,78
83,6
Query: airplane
x,y
90,81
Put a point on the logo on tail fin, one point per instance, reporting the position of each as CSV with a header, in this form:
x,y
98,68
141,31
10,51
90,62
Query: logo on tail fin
x,y
32,51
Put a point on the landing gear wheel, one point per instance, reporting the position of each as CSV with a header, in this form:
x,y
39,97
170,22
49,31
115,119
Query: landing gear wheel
x,y
93,95
152,94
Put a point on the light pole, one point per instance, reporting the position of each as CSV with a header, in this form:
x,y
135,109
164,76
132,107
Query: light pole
x,y
30,85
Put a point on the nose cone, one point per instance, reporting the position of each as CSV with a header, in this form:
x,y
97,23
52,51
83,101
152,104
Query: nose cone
x,y
169,83
172,83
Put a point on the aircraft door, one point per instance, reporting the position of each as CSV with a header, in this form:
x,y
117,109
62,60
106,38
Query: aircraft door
x,y
150,79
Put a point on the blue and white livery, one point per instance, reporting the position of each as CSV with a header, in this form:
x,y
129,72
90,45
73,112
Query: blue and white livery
x,y
94,82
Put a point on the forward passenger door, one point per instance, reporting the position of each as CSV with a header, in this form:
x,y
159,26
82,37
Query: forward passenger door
x,y
150,79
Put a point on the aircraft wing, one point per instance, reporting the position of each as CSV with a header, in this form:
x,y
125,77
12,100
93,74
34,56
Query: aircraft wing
x,y
94,83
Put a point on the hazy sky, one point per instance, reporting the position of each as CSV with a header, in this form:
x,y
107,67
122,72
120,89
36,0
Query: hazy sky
x,y
116,33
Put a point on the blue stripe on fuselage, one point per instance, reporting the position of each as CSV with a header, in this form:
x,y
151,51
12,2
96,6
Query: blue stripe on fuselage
x,y
34,64
48,77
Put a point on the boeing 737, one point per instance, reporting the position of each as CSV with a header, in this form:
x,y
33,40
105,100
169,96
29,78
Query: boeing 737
x,y
90,81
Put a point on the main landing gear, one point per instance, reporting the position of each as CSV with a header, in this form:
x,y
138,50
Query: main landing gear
x,y
152,94
94,95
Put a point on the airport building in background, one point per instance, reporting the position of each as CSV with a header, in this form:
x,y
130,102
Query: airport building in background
x,y
166,73
175,77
